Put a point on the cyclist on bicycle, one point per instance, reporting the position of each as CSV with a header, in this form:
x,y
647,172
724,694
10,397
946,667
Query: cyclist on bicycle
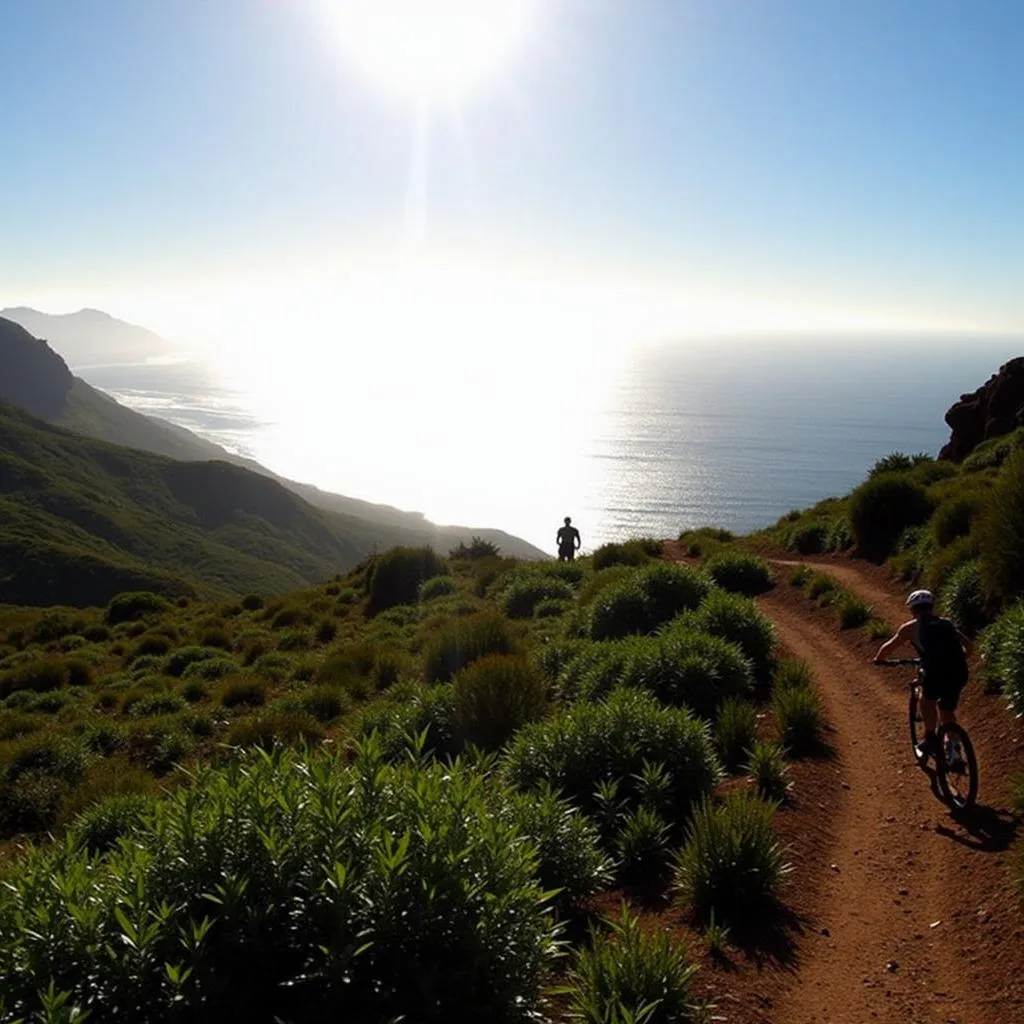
x,y
943,651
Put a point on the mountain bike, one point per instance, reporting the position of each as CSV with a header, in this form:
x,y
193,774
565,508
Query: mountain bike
x,y
956,766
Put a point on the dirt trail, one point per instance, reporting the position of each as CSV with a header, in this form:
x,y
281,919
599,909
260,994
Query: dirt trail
x,y
900,923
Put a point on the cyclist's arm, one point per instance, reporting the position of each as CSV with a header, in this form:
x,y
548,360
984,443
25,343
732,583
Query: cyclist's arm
x,y
901,635
579,543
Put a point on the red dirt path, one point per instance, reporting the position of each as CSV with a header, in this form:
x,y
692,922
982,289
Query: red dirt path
x,y
909,917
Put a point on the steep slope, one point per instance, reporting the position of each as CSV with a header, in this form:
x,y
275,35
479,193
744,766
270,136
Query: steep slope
x,y
35,378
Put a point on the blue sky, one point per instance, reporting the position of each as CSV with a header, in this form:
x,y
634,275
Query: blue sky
x,y
861,160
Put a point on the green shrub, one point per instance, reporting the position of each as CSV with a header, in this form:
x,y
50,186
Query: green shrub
x,y
1001,533
840,534
100,826
882,507
422,723
477,549
738,619
317,883
898,462
766,766
179,660
940,565
325,703
243,692
632,976
215,636
821,584
993,452
252,602
731,864
194,690
876,629
494,697
571,863
15,724
853,612
288,616
210,669
523,590
952,519
326,631
294,640
744,574
799,717
269,729
462,641
551,609
645,599
42,675
52,626
642,847
439,586
963,599
397,575
800,575
735,731
807,538
631,552
151,644
134,605
97,634
158,704
578,747
1002,645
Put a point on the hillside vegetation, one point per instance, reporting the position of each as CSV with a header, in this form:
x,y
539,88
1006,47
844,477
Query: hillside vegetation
x,y
431,761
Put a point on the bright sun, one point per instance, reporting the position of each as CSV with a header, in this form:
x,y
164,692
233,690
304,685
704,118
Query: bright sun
x,y
431,49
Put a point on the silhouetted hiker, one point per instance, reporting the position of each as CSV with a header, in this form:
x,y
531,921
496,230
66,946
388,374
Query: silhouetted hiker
x,y
568,538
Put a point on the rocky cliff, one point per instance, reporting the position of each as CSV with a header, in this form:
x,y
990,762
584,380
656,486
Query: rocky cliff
x,y
996,408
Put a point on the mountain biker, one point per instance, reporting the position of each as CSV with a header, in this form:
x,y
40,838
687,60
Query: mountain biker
x,y
568,540
943,651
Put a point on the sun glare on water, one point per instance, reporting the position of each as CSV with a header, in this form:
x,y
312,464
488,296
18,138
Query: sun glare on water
x,y
431,49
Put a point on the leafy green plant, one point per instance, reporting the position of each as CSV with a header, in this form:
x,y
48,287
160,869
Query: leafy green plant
x,y
799,718
1001,533
807,538
645,599
642,846
462,641
963,598
739,572
853,612
731,864
99,828
269,729
1002,645
397,575
631,552
800,575
579,747
524,589
735,731
882,507
738,619
438,586
134,605
630,975
494,697
291,887
242,692
820,585
766,766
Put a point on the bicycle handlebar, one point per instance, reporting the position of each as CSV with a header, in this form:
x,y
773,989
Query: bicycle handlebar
x,y
892,662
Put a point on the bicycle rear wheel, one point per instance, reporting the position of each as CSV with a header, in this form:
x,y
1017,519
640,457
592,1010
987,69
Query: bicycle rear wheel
x,y
916,723
957,767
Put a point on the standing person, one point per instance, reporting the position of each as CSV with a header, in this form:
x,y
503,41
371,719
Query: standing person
x,y
943,651
568,539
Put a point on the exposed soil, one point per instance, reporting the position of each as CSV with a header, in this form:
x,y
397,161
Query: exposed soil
x,y
908,913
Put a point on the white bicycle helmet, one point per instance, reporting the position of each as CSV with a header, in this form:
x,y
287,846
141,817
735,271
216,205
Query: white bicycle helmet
x,y
920,598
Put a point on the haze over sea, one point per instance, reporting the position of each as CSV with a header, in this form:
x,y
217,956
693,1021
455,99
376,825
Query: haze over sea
x,y
727,432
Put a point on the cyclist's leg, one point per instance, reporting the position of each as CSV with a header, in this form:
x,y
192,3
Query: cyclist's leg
x,y
929,712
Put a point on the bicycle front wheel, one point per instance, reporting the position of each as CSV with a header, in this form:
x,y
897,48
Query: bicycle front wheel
x,y
916,723
957,767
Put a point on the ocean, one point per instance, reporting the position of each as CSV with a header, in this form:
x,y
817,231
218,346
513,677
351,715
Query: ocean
x,y
728,433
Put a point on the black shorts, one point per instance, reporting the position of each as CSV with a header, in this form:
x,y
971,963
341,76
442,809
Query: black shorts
x,y
944,689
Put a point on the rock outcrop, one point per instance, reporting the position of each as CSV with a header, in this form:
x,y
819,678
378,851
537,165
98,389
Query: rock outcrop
x,y
996,408
32,375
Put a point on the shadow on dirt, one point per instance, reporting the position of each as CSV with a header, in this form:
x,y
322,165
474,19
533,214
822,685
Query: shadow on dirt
x,y
770,940
982,828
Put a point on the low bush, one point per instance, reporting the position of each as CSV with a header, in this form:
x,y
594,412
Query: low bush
x,y
183,657
645,599
210,669
462,641
840,534
741,573
435,878
134,605
151,644
477,549
821,585
325,632
523,590
853,612
1002,645
631,552
215,636
268,729
632,975
807,538
158,704
800,575
100,827
738,619
242,692
422,723
882,507
494,697
1001,534
42,675
642,847
799,718
252,602
325,703
580,746
766,767
398,574
735,731
898,462
550,608
731,864
952,519
963,598
439,586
